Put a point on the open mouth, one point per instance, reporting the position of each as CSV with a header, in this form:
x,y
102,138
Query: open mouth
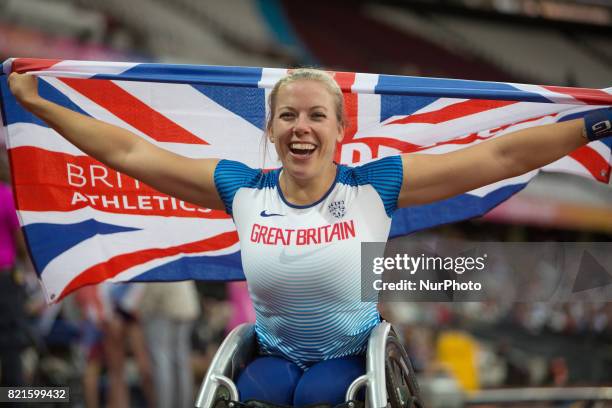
x,y
302,149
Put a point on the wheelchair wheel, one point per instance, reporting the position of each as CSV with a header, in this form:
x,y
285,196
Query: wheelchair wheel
x,y
402,387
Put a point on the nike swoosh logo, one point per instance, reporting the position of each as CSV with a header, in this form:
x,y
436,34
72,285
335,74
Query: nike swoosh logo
x,y
264,214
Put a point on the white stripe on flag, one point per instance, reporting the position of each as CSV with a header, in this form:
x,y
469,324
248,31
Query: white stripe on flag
x,y
32,135
365,83
99,248
137,270
483,191
270,76
85,69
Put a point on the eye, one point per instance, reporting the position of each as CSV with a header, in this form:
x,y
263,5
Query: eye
x,y
286,115
318,115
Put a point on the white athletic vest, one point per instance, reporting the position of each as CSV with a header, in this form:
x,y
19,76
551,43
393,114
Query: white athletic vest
x,y
302,263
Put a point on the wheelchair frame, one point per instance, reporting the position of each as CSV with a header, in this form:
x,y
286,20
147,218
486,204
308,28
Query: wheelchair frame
x,y
388,370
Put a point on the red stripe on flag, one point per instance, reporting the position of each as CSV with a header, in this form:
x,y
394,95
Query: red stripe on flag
x,y
117,264
345,81
588,96
133,111
593,162
21,65
471,138
451,112
374,143
62,182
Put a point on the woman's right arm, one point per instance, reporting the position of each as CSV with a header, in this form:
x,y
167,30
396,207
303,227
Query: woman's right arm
x,y
191,180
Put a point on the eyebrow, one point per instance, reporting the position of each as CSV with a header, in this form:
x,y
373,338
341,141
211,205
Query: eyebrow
x,y
292,108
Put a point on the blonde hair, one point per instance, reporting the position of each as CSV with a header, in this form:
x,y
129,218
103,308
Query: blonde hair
x,y
309,74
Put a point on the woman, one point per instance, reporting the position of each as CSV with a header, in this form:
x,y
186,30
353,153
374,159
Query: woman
x,y
169,311
14,336
301,226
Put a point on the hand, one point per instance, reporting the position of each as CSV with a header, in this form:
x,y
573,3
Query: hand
x,y
24,87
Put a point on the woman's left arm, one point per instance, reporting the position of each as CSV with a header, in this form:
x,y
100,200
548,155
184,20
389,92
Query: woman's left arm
x,y
429,178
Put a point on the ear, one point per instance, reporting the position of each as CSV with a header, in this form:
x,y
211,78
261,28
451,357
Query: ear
x,y
268,135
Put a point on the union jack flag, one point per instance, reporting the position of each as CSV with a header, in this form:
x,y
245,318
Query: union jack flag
x,y
85,223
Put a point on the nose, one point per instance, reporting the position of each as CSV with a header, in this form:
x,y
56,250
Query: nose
x,y
301,125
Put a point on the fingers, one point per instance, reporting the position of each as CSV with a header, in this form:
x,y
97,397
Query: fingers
x,y
27,78
13,76
13,79
16,78
23,86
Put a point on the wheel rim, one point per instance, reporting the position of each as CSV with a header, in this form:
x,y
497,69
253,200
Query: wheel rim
x,y
403,389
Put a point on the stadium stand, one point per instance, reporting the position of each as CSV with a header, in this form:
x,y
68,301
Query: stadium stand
x,y
552,56
241,20
56,18
362,36
535,52
172,36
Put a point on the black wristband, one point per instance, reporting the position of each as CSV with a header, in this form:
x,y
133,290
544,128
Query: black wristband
x,y
598,124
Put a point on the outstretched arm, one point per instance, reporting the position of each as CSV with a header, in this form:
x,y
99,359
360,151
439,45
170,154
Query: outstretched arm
x,y
188,179
429,178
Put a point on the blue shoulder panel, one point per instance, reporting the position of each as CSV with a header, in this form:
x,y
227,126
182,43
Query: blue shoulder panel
x,y
232,175
385,175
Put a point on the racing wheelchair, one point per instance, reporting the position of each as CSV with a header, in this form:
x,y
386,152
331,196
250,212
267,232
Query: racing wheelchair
x,y
389,379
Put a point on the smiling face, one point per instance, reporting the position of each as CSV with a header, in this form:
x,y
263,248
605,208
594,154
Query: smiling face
x,y
305,127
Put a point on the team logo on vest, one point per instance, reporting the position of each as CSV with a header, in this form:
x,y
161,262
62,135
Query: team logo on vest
x,y
337,209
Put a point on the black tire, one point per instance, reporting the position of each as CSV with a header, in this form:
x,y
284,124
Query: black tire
x,y
402,388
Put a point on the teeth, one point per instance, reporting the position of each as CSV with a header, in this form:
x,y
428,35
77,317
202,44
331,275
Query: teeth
x,y
302,146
